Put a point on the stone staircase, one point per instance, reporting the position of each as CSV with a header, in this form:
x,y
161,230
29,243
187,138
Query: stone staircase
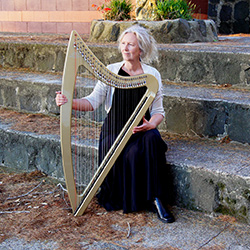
x,y
207,103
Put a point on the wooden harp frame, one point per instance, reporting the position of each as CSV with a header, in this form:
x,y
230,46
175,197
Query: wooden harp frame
x,y
79,54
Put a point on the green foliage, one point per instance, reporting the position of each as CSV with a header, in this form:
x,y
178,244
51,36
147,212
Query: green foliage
x,y
172,9
118,10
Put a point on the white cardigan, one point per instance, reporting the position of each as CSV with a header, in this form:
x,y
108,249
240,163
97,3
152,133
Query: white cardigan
x,y
103,92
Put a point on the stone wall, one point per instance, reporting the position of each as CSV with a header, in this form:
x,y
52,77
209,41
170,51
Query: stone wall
x,y
47,16
166,31
230,16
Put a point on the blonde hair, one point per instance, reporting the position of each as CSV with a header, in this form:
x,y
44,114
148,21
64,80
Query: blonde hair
x,y
147,43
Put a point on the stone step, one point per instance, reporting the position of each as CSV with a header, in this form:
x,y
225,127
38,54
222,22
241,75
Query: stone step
x,y
207,111
33,91
207,175
225,61
214,176
190,109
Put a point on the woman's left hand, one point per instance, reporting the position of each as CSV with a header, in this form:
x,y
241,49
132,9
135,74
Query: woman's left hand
x,y
146,125
154,121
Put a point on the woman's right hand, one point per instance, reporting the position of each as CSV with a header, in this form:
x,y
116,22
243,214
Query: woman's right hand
x,y
60,98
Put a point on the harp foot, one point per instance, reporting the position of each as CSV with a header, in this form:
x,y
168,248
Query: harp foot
x,y
163,213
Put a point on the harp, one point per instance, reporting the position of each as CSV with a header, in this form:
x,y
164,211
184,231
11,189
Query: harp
x,y
78,54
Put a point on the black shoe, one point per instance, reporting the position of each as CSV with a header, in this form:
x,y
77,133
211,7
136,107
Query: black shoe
x,y
163,214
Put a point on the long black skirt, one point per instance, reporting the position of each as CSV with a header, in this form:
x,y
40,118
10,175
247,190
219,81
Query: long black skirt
x,y
137,176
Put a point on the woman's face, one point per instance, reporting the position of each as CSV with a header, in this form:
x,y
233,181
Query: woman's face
x,y
130,48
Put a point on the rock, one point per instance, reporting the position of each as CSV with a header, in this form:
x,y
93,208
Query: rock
x,y
145,9
166,31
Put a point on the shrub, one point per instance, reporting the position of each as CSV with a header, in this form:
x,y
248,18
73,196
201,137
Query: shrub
x,y
117,10
172,9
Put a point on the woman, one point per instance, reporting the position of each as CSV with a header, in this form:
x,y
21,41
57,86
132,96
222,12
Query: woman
x,y
135,182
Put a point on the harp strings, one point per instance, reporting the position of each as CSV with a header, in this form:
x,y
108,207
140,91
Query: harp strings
x,y
101,72
86,130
